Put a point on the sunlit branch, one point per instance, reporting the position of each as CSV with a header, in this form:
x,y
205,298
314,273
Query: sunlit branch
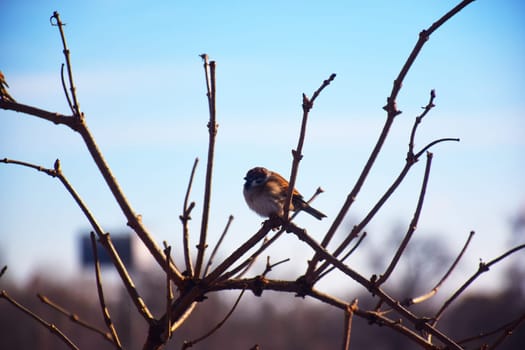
x,y
417,300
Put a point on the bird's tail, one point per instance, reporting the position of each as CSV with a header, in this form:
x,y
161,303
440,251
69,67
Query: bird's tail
x,y
314,212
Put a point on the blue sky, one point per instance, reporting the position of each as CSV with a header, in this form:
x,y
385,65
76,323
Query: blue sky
x,y
140,83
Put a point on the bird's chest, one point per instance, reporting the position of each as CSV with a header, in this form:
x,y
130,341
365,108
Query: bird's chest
x,y
265,200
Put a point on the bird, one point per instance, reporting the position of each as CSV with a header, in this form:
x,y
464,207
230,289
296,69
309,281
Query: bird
x,y
265,193
3,89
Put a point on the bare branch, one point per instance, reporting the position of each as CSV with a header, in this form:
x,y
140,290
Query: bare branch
x,y
505,330
209,69
55,118
51,327
189,344
434,290
343,258
412,227
169,294
75,318
104,237
297,153
483,267
419,323
348,315
60,25
221,238
64,87
4,269
392,112
185,217
269,266
105,311
418,120
230,260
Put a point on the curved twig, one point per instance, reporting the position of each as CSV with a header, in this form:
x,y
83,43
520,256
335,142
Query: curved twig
x,y
189,344
426,296
64,87
483,267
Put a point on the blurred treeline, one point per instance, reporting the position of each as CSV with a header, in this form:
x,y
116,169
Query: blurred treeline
x,y
273,321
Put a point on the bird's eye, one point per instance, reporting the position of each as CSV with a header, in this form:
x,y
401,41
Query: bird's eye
x,y
259,181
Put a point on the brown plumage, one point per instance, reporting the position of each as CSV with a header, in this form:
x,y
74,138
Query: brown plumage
x,y
3,89
265,192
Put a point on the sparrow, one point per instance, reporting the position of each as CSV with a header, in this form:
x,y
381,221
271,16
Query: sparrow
x,y
265,192
3,89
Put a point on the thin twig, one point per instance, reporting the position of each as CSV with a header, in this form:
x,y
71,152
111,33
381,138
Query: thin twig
x,y
412,227
4,269
105,239
50,326
269,267
185,217
77,123
209,69
189,344
434,290
105,310
297,153
60,25
257,285
420,323
169,294
506,330
392,112
411,159
64,87
248,263
75,318
348,315
219,242
244,266
483,267
343,258
232,258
